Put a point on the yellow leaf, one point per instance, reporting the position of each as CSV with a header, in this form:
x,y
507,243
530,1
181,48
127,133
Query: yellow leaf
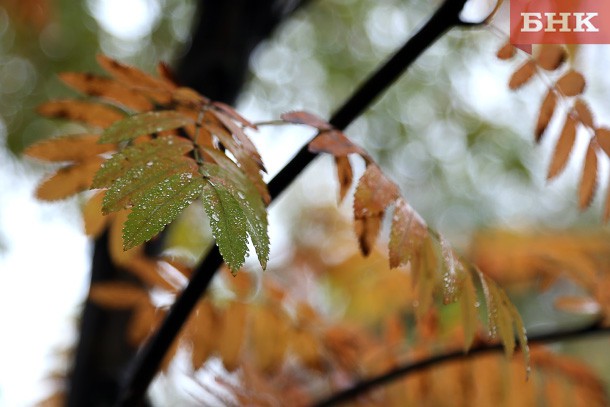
x,y
69,180
92,113
564,146
307,349
269,330
522,75
588,182
572,83
231,335
202,331
468,302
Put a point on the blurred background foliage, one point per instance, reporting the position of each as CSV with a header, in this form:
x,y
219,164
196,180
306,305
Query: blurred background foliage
x,y
449,132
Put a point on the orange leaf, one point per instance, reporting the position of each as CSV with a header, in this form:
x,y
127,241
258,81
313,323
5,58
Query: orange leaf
x,y
142,323
546,113
232,334
588,183
564,146
572,83
551,56
232,113
68,148
110,89
522,75
506,52
95,114
306,118
577,305
269,337
117,295
345,175
203,321
69,180
603,139
584,113
94,220
407,234
334,142
607,204
373,194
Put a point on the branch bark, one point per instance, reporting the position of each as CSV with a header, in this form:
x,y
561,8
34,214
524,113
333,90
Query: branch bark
x,y
149,359
401,371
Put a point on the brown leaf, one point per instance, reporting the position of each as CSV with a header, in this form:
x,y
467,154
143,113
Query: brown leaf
x,y
506,52
564,146
232,113
117,295
407,234
203,321
584,113
132,76
588,183
546,113
345,176
373,194
241,137
110,89
69,180
522,75
602,135
334,142
142,323
68,148
551,56
307,118
572,83
95,114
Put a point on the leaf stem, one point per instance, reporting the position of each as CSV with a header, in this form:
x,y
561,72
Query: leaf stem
x,y
401,371
149,359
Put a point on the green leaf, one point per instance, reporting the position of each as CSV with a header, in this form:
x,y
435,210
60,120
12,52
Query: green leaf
x,y
230,177
126,190
144,123
469,310
228,224
160,205
140,155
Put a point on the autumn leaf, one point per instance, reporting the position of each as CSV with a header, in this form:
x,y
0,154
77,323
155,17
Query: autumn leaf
x,y
588,182
507,51
117,295
159,206
584,113
373,194
578,305
407,234
522,75
572,83
602,135
94,114
144,123
74,147
307,118
546,113
468,302
551,56
345,176
69,180
564,146
94,220
334,142
232,334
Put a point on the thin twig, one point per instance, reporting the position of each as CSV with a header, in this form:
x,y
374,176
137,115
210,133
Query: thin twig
x,y
149,359
401,371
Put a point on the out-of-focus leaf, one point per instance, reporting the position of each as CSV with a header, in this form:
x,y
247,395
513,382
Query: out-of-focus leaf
x,y
572,83
69,180
159,206
584,112
144,123
546,113
231,335
563,149
407,234
507,51
75,147
94,114
588,182
94,220
307,118
468,301
522,75
551,56
345,176
117,295
578,305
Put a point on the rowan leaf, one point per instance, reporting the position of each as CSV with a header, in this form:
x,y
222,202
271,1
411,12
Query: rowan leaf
x,y
522,75
127,189
94,220
551,56
74,147
334,142
140,155
572,83
235,213
588,182
232,334
468,302
607,204
117,295
546,113
107,88
507,51
159,206
232,113
142,322
602,135
584,113
373,194
306,118
69,180
203,321
238,134
345,176
144,123
94,114
407,234
563,149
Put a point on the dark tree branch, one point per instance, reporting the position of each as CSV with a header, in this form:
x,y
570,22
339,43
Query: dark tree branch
x,y
401,371
149,359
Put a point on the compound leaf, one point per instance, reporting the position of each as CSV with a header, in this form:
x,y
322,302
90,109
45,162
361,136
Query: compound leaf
x,y
144,123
